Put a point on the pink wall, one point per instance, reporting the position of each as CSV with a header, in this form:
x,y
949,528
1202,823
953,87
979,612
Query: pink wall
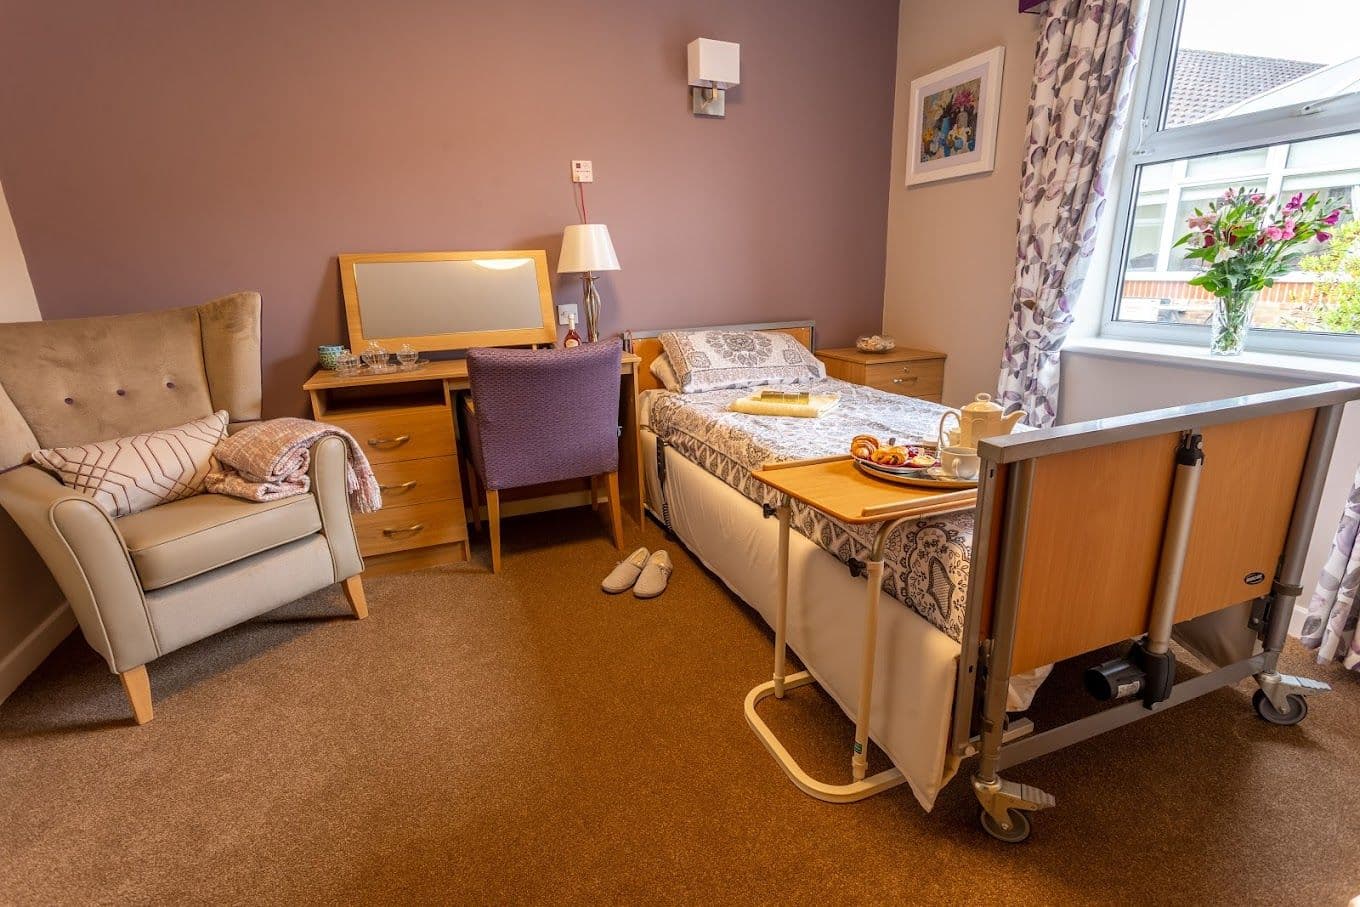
x,y
157,154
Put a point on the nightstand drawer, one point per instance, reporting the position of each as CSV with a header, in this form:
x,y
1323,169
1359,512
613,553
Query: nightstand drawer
x,y
409,433
413,526
915,379
407,482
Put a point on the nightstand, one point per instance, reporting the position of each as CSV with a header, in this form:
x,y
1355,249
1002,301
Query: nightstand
x,y
905,371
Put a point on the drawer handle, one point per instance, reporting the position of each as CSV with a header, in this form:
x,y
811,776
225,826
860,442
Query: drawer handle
x,y
404,530
912,380
399,489
389,442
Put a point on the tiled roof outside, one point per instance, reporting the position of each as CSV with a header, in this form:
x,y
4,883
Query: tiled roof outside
x,y
1206,81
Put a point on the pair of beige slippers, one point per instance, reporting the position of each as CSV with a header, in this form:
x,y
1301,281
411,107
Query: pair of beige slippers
x,y
646,573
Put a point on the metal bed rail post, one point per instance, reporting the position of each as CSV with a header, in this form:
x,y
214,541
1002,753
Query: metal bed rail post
x,y
1004,803
1280,699
965,686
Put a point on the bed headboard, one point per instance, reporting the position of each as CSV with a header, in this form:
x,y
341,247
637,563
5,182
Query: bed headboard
x,y
646,345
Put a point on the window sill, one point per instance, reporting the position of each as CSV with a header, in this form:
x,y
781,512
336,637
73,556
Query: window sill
x,y
1264,365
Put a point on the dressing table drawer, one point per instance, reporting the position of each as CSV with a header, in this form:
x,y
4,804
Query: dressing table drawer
x,y
411,526
407,482
391,435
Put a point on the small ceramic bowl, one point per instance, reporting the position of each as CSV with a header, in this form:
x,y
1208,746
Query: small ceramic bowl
x,y
329,355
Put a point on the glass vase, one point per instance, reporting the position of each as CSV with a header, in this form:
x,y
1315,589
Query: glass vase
x,y
1230,322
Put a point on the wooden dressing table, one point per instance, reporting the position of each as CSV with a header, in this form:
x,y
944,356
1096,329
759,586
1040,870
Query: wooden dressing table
x,y
406,422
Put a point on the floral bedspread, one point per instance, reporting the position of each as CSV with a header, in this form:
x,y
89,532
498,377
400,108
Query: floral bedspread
x,y
926,562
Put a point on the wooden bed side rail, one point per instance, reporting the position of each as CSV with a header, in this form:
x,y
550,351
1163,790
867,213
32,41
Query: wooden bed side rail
x,y
647,344
1076,538
1078,435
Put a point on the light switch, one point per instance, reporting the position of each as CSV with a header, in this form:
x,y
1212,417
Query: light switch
x,y
565,313
582,172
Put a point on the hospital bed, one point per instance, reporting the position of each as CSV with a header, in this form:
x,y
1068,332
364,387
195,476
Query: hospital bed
x,y
1193,519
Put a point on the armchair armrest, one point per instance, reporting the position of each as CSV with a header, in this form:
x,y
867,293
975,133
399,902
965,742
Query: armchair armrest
x,y
327,472
83,549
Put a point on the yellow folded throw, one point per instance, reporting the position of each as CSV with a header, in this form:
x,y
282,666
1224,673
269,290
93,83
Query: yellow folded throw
x,y
814,407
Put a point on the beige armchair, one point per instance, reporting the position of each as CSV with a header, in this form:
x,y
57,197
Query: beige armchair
x,y
156,581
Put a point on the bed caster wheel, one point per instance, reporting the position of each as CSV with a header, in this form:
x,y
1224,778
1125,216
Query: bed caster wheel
x,y
1297,711
1019,830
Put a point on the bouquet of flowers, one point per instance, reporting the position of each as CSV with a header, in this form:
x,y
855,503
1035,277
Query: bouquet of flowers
x,y
1245,242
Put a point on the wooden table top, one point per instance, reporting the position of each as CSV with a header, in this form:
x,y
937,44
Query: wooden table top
x,y
438,370
836,487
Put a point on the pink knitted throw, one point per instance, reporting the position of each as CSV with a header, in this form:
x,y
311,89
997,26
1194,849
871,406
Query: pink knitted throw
x,y
269,460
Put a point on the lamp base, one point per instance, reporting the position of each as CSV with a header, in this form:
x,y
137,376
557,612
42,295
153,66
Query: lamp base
x,y
591,303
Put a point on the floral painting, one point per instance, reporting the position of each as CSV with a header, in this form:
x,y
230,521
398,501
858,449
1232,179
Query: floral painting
x,y
949,121
954,119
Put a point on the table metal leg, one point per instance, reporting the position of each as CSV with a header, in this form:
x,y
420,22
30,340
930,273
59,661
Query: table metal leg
x,y
785,513
860,787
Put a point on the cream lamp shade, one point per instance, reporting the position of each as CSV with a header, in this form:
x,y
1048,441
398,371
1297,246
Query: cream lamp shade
x,y
586,247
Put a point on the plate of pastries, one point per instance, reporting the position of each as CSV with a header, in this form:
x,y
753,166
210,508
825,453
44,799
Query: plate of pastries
x,y
892,457
909,463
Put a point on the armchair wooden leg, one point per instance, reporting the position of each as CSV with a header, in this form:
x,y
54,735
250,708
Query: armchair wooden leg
x,y
615,509
493,518
354,593
137,686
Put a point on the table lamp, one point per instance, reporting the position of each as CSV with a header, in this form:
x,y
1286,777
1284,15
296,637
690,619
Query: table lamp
x,y
586,248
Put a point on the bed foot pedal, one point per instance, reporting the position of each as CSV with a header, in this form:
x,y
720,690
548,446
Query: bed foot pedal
x,y
1006,806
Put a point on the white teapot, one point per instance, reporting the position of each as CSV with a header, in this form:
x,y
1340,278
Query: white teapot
x,y
978,420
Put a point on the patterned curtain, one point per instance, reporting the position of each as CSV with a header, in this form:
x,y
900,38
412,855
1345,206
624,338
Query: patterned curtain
x,y
1077,110
1334,609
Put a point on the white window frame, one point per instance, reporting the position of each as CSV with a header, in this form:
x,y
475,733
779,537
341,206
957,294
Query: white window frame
x,y
1148,144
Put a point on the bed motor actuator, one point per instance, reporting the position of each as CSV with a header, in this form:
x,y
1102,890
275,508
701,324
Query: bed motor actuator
x,y
1139,673
1149,667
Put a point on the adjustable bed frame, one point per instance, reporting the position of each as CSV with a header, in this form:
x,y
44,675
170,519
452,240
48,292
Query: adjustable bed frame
x,y
1188,512
1196,513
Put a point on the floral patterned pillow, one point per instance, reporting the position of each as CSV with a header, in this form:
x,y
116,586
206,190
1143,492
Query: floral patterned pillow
x,y
711,360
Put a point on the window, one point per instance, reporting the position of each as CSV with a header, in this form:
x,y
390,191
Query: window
x,y
1233,93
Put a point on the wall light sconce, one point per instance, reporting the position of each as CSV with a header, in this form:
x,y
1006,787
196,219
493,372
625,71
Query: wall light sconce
x,y
714,67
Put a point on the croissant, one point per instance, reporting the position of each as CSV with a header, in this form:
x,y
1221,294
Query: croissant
x,y
863,446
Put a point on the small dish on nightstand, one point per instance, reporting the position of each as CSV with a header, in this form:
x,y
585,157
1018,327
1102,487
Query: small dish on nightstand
x,y
875,343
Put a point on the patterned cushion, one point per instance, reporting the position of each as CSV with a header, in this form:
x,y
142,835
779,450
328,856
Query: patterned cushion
x,y
712,360
663,371
128,475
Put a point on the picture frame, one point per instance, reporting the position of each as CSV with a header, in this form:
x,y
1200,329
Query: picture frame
x,y
953,119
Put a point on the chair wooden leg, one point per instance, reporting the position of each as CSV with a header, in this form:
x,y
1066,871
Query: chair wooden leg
x,y
615,509
137,686
493,519
354,593
473,483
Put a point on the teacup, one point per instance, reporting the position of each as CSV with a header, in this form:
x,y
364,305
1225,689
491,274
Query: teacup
x,y
960,462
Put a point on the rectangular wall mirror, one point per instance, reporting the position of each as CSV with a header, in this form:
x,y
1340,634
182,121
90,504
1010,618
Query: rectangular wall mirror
x,y
448,300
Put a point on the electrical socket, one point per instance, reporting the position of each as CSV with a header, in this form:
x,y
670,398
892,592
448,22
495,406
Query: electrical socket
x,y
565,313
582,172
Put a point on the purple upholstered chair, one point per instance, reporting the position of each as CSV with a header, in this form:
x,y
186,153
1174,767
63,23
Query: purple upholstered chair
x,y
540,416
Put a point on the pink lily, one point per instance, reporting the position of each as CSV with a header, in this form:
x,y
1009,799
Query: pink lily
x,y
1322,236
1294,203
1331,219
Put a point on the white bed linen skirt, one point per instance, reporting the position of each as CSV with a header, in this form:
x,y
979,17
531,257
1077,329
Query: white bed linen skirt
x,y
914,670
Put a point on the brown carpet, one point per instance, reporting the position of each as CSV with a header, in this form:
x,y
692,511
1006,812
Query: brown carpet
x,y
525,738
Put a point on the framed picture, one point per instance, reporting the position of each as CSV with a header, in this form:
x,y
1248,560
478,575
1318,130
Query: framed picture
x,y
952,127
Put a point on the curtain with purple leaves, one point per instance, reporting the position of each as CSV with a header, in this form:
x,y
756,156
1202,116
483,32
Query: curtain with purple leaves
x,y
1077,109
1335,607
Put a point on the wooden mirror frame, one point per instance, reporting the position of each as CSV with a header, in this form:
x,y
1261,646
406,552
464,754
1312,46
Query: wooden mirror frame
x,y
545,334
